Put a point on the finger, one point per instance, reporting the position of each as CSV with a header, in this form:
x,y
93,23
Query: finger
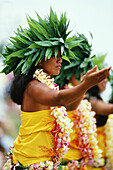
x,y
103,71
92,70
109,68
103,74
82,78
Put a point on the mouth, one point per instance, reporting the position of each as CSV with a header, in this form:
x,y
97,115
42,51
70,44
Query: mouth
x,y
59,67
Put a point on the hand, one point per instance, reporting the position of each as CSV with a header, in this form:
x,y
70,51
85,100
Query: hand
x,y
91,78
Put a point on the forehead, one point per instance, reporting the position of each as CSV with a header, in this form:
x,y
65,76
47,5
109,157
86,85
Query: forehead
x,y
58,55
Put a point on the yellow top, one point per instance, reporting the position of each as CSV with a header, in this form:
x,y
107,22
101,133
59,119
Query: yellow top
x,y
35,142
73,153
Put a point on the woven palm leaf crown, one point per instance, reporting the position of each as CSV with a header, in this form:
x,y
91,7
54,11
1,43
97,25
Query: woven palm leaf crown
x,y
81,65
43,38
99,60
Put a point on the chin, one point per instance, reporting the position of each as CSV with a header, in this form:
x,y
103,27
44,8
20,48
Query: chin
x,y
57,73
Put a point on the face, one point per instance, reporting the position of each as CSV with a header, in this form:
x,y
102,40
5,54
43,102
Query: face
x,y
52,66
102,85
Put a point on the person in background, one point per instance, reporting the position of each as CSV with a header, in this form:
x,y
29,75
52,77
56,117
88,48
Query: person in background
x,y
34,55
104,119
82,117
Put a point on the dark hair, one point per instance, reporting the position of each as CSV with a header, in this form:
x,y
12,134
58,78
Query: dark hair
x,y
19,84
94,92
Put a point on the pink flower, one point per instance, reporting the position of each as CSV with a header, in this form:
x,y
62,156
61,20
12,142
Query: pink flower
x,y
34,165
75,163
55,85
58,145
57,127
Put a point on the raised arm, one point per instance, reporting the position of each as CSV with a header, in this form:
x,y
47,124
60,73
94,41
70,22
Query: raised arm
x,y
100,107
75,104
42,94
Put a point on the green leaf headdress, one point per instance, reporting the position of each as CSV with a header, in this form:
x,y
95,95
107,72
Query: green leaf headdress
x,y
81,65
99,60
43,38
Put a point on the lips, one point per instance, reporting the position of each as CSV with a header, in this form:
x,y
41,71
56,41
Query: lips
x,y
59,66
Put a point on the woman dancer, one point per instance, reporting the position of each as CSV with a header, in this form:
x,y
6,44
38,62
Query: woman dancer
x,y
34,55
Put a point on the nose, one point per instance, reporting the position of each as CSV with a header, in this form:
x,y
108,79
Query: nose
x,y
59,59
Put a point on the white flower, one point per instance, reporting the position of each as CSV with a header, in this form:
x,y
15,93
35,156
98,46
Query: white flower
x,y
7,165
42,164
109,139
49,165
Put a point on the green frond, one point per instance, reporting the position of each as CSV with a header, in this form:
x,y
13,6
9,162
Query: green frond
x,y
56,50
65,58
78,60
41,21
48,53
99,60
40,40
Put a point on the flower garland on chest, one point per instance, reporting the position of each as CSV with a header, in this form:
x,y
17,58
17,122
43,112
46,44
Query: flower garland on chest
x,y
86,130
63,124
109,142
106,163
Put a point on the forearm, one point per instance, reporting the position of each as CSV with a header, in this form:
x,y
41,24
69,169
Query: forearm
x,y
101,108
107,109
72,95
74,105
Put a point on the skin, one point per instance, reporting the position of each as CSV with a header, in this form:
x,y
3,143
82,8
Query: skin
x,y
99,106
102,85
38,96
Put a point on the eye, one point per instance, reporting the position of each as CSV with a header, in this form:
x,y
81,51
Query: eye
x,y
58,55
53,55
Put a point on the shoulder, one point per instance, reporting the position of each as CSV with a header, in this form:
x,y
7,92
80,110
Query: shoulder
x,y
32,84
32,87
35,87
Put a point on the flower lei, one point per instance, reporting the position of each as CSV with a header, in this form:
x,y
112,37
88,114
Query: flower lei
x,y
86,130
63,125
109,142
106,163
61,132
48,165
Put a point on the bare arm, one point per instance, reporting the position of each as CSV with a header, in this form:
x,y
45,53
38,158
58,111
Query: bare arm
x,y
42,94
74,105
100,107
